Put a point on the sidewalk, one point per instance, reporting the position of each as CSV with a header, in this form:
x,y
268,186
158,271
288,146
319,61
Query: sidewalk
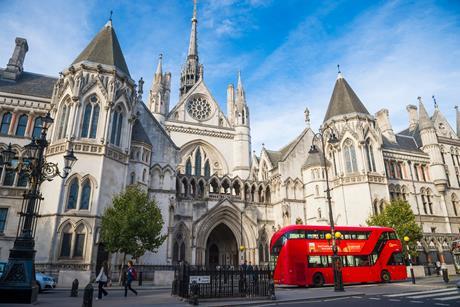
x,y
145,286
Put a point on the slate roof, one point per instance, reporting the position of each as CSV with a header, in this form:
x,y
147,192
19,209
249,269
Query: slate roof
x,y
139,133
29,84
104,49
315,159
344,100
405,140
274,156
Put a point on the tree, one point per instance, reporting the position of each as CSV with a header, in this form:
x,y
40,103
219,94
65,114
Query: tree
x,y
399,216
132,225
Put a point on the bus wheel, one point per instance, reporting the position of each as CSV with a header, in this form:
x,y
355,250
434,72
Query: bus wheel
x,y
385,276
318,280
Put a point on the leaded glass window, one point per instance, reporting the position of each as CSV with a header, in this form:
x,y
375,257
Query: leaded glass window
x,y
351,164
207,169
6,120
73,194
188,167
37,128
85,195
198,162
3,214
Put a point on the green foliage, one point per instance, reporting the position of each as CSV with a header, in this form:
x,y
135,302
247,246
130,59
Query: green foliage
x,y
399,215
133,224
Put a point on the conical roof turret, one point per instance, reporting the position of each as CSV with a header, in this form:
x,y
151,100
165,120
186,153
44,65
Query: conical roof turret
x,y
424,120
344,100
104,49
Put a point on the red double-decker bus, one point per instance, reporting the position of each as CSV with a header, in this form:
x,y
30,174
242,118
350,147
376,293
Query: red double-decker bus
x,y
303,256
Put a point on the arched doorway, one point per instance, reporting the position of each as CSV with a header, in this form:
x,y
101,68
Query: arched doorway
x,y
221,247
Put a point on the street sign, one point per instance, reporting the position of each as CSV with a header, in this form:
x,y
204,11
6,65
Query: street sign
x,y
200,279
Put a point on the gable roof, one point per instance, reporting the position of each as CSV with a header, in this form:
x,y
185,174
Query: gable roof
x,y
344,100
29,84
104,49
139,133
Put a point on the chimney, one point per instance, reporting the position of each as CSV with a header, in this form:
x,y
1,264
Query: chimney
x,y
15,65
383,120
413,116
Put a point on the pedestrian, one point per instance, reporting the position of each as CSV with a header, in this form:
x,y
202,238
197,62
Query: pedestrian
x,y
131,275
244,266
438,267
101,280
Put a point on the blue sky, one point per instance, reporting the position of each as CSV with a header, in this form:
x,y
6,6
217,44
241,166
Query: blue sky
x,y
389,51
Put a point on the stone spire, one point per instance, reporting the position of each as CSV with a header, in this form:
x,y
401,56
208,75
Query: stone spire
x,y
159,93
344,100
192,71
423,117
159,66
104,49
457,112
240,94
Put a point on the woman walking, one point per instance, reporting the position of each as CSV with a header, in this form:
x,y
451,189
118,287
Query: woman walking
x,y
102,281
130,276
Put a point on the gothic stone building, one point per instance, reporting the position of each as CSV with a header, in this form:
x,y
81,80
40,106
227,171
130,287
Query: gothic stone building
x,y
215,195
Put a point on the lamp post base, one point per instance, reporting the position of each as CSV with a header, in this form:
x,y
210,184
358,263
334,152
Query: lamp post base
x,y
17,284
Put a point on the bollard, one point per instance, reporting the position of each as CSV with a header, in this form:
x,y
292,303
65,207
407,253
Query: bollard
x,y
88,296
74,289
194,292
445,275
140,279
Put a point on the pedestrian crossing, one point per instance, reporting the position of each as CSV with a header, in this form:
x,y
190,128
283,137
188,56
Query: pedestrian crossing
x,y
448,295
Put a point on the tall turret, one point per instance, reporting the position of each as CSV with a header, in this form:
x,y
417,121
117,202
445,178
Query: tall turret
x,y
230,103
160,92
431,147
192,71
242,141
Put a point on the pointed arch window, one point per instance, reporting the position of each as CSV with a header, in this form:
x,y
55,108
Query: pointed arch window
x,y
117,125
73,194
349,152
90,118
133,177
22,125
198,162
188,167
63,121
6,121
36,133
207,169
66,241
85,195
79,243
22,179
455,204
370,156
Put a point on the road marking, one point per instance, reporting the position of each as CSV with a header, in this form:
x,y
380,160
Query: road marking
x,y
448,298
417,302
418,292
357,297
374,298
453,291
394,300
441,304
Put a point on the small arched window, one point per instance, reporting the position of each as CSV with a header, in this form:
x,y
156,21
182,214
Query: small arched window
x,y
144,172
6,121
188,167
36,133
22,125
351,165
198,162
207,169
455,204
133,177
90,118
85,195
73,194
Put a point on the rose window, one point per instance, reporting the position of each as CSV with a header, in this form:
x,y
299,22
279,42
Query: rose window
x,y
199,108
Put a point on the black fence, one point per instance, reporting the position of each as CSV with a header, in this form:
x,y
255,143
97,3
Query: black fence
x,y
211,282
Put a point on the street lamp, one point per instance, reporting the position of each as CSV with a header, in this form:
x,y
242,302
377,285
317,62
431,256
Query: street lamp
x,y
407,239
336,262
17,284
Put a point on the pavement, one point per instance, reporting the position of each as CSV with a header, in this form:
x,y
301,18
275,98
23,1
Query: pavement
x,y
430,291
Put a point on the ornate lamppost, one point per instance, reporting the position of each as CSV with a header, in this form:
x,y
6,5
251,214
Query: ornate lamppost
x,y
412,275
336,262
17,284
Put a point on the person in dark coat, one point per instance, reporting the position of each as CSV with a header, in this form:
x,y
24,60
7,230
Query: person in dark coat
x,y
130,276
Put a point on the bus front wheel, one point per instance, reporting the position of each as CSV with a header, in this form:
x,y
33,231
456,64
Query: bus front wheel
x,y
318,280
385,276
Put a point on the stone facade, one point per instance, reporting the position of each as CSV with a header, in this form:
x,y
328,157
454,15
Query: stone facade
x,y
221,203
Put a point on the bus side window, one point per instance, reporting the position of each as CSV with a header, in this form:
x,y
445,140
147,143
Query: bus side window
x,y
396,259
362,260
314,261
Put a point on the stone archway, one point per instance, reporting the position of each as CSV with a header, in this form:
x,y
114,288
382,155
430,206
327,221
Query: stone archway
x,y
221,247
